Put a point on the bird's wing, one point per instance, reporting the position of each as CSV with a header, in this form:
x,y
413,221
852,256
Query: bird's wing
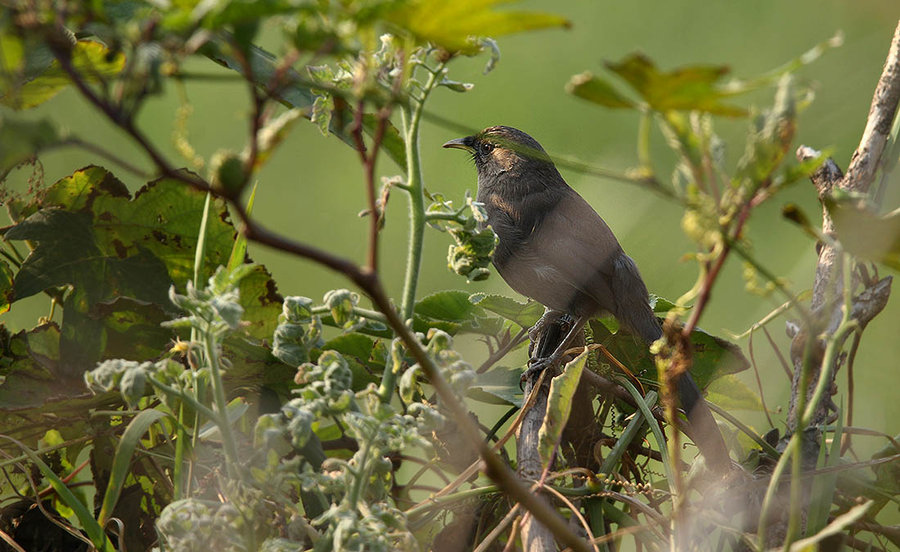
x,y
573,243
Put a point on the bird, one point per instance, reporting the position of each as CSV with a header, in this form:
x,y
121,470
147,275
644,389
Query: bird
x,y
554,248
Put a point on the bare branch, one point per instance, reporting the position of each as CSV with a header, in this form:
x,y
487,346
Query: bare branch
x,y
867,157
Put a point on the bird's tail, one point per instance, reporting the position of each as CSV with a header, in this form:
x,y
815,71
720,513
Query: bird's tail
x,y
632,300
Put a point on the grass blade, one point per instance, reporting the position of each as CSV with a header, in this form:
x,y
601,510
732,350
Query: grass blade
x,y
124,451
93,529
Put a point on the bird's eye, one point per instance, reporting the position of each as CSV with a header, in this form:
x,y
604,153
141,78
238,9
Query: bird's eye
x,y
486,148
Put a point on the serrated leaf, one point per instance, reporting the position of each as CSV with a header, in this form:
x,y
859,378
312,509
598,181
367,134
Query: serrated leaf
x,y
559,406
34,83
690,88
454,25
867,235
597,90
87,232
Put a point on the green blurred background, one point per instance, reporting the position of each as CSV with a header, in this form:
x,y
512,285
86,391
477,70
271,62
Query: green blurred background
x,y
312,189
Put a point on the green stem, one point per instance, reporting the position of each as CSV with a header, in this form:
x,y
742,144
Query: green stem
x,y
412,117
643,145
362,473
365,313
199,407
805,412
455,217
212,355
177,468
442,501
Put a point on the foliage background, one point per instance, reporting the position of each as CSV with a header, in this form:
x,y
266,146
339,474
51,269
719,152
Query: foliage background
x,y
318,201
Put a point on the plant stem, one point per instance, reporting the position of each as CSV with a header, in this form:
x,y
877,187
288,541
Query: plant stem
x,y
411,121
212,356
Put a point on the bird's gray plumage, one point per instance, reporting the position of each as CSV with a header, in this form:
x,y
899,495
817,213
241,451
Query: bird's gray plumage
x,y
554,248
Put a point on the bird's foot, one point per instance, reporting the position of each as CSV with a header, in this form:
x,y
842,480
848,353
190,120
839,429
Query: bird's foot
x,y
538,365
549,318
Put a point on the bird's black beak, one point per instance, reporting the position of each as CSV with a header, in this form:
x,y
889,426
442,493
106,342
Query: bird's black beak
x,y
467,143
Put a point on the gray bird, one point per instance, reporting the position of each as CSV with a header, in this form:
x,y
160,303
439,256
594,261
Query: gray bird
x,y
554,248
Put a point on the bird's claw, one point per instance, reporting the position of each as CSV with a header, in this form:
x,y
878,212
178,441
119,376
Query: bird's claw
x,y
534,333
536,366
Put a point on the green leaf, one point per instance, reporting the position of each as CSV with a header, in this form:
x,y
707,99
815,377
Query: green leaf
x,y
360,351
128,443
452,306
713,357
824,486
525,314
836,527
559,406
730,393
498,386
597,90
89,233
29,369
865,234
261,302
6,286
67,252
92,528
22,140
691,88
34,81
133,328
454,25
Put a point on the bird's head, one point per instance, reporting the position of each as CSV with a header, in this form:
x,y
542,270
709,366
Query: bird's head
x,y
502,149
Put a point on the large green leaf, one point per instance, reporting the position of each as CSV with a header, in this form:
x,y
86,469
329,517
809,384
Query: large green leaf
x,y
121,255
691,88
452,312
452,25
865,234
525,314
597,90
713,357
499,385
730,393
32,76
161,220
261,302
